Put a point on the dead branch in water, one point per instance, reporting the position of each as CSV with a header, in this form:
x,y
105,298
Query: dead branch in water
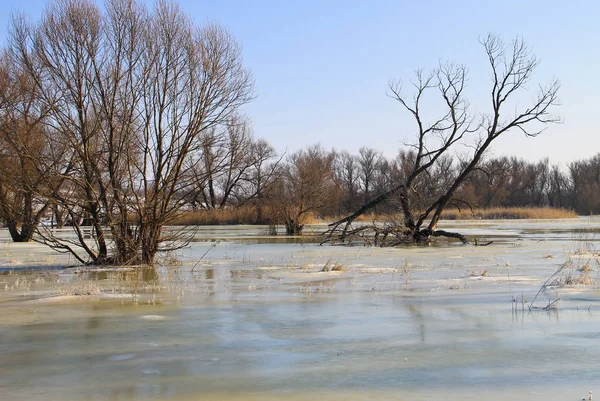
x,y
389,234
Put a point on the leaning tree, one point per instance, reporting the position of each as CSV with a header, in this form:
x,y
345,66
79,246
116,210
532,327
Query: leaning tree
x,y
512,67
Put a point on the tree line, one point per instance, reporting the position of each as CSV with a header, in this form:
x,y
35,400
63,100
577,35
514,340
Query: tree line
x,y
505,181
333,183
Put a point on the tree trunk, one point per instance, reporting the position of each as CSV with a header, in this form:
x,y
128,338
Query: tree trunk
x,y
24,235
59,217
150,242
293,227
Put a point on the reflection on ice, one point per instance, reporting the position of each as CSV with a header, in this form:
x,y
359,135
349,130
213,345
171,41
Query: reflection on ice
x,y
257,321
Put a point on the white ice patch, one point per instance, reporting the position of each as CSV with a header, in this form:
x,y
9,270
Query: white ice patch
x,y
123,357
152,317
150,372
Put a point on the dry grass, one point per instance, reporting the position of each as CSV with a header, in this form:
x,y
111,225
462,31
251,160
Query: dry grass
x,y
332,266
369,217
578,268
232,216
80,289
405,271
240,215
573,272
20,284
481,214
249,215
575,275
509,213
312,218
479,273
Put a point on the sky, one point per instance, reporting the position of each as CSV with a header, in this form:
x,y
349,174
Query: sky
x,y
322,68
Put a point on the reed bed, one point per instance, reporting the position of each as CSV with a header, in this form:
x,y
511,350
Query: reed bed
x,y
233,216
249,215
497,213
228,216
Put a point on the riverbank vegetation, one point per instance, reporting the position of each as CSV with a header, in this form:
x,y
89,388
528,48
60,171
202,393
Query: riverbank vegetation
x,y
509,213
248,216
117,120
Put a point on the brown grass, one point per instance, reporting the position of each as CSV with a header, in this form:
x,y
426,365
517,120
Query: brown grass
x,y
231,216
240,215
509,213
332,266
578,276
370,217
249,215
311,218
481,214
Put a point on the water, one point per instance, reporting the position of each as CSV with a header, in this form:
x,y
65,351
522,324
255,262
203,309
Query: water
x,y
257,321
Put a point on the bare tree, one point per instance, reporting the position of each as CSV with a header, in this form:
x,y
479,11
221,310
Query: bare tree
x,y
28,156
585,185
386,173
307,185
558,188
131,93
488,184
264,171
368,161
229,167
512,68
347,175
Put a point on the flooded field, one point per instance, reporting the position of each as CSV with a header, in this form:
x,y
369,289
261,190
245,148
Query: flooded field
x,y
242,316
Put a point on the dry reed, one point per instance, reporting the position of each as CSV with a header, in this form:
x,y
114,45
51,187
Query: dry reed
x,y
509,213
249,215
228,216
234,215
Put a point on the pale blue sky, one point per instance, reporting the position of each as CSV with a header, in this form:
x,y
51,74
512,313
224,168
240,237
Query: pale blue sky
x,y
322,67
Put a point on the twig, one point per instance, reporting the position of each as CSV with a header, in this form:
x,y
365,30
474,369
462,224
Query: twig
x,y
205,253
560,269
551,304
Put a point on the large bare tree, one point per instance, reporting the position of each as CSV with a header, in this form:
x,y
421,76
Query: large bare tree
x,y
512,67
131,92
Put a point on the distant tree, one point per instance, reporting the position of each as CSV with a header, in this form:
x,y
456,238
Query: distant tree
x,y
307,185
386,173
510,182
512,68
230,167
487,186
258,184
368,162
346,169
558,189
30,161
585,184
